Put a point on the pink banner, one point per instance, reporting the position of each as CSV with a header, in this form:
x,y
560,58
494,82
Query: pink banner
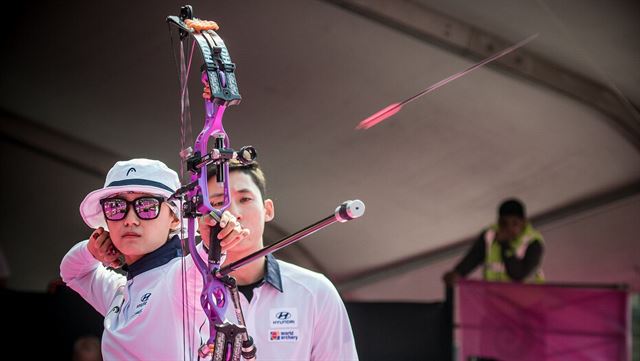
x,y
512,321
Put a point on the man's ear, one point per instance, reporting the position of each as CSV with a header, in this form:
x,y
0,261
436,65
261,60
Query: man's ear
x,y
269,210
175,223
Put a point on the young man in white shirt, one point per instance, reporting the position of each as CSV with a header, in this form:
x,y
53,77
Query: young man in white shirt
x,y
292,313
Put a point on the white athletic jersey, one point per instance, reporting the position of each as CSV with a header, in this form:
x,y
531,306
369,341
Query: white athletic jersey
x,y
144,314
306,321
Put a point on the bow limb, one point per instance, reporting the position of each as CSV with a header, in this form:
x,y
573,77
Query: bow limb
x,y
225,340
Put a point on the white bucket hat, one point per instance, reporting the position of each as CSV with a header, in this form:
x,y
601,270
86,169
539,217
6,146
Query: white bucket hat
x,y
135,175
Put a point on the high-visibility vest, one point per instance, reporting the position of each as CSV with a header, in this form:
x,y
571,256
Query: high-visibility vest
x,y
494,269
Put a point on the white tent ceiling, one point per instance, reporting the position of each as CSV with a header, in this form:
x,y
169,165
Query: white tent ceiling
x,y
85,84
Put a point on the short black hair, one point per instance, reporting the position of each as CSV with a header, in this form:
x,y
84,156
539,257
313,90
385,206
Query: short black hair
x,y
512,207
252,169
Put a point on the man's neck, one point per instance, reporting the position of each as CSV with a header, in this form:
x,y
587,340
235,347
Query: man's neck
x,y
249,273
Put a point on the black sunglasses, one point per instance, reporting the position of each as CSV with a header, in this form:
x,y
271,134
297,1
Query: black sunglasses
x,y
146,207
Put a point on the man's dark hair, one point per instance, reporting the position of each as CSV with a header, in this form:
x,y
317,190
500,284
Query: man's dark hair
x,y
512,207
252,169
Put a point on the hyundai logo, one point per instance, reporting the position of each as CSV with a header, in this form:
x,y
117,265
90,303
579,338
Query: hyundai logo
x,y
283,315
145,297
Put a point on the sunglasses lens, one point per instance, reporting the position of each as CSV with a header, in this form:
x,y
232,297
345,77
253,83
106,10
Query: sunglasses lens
x,y
114,209
147,208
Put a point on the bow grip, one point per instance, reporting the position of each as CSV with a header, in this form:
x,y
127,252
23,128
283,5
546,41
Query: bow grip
x,y
215,250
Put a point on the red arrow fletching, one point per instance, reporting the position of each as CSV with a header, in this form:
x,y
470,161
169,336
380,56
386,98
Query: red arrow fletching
x,y
379,116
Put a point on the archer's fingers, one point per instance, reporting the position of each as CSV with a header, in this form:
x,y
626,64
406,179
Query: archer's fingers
x,y
111,256
228,223
229,243
96,241
107,245
208,220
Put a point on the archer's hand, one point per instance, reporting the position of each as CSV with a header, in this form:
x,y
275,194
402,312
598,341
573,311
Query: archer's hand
x,y
102,248
232,231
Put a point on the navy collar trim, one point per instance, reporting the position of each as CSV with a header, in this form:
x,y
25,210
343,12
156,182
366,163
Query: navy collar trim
x,y
161,256
272,275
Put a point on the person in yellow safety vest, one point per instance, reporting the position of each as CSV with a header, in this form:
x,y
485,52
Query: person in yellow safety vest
x,y
510,250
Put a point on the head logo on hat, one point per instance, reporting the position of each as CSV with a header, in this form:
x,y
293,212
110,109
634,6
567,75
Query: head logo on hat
x,y
135,175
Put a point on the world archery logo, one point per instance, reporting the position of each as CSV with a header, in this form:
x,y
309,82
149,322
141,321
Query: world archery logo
x,y
285,335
